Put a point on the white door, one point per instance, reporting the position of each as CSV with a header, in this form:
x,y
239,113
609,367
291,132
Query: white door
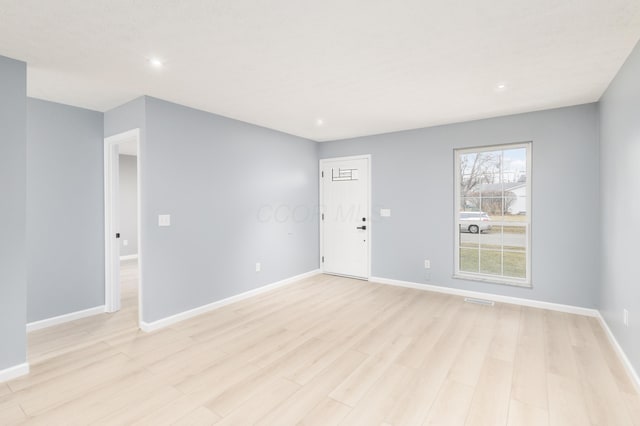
x,y
345,222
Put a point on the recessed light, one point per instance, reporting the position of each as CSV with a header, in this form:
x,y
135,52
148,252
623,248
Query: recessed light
x,y
155,62
319,122
500,87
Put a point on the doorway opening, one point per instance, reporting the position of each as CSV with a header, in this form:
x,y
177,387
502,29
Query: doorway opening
x,y
123,248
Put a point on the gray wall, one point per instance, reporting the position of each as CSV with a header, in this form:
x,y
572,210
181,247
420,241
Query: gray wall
x,y
65,234
221,180
128,204
13,277
620,189
126,117
413,175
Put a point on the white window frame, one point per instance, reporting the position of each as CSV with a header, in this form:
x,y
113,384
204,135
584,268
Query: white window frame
x,y
478,276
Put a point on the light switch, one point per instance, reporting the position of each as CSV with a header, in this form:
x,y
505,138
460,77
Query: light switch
x,y
164,220
125,242
385,212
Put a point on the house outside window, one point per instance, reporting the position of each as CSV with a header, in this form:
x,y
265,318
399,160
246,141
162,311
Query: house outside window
x,y
493,214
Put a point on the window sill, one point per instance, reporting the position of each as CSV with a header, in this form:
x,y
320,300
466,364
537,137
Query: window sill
x,y
492,280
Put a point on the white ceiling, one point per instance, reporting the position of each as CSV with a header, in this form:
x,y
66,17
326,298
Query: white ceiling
x,y
362,66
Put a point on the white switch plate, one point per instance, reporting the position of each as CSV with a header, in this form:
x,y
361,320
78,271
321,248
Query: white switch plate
x,y
427,264
164,220
125,242
258,267
385,212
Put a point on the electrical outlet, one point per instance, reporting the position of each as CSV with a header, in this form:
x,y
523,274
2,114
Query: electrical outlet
x,y
625,317
125,242
258,267
427,264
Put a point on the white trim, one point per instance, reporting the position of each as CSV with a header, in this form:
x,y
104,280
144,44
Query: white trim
x,y
633,374
107,225
112,292
60,319
369,192
139,222
164,322
488,296
13,372
129,257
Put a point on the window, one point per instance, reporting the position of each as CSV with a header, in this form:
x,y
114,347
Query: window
x,y
493,214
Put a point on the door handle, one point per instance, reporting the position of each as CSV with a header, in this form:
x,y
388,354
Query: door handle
x,y
361,227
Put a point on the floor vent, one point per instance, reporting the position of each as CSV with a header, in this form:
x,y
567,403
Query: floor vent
x,y
478,301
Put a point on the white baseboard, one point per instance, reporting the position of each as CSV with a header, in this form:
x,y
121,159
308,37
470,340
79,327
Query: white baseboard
x,y
37,325
488,296
164,322
633,374
13,372
129,257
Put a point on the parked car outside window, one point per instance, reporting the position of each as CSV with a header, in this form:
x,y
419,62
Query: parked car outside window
x,y
474,222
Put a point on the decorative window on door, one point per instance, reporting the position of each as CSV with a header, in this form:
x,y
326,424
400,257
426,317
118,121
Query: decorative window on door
x,y
344,174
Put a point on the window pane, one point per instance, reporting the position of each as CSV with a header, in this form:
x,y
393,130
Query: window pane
x,y
515,181
515,264
469,260
514,237
491,262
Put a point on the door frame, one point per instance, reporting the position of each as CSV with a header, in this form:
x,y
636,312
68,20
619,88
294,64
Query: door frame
x,y
321,163
112,283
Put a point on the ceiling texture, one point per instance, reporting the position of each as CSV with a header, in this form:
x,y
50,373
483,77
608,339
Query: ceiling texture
x,y
360,66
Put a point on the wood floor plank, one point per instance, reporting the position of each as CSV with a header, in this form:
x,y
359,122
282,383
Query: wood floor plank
x,y
559,350
250,387
604,403
505,338
452,405
468,364
299,404
102,400
530,365
613,361
490,405
326,350
356,385
328,412
61,390
633,407
415,400
521,414
199,416
256,408
172,412
379,401
567,405
5,389
11,414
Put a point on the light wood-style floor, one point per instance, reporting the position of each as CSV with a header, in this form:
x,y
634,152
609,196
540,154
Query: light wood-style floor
x,y
327,350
